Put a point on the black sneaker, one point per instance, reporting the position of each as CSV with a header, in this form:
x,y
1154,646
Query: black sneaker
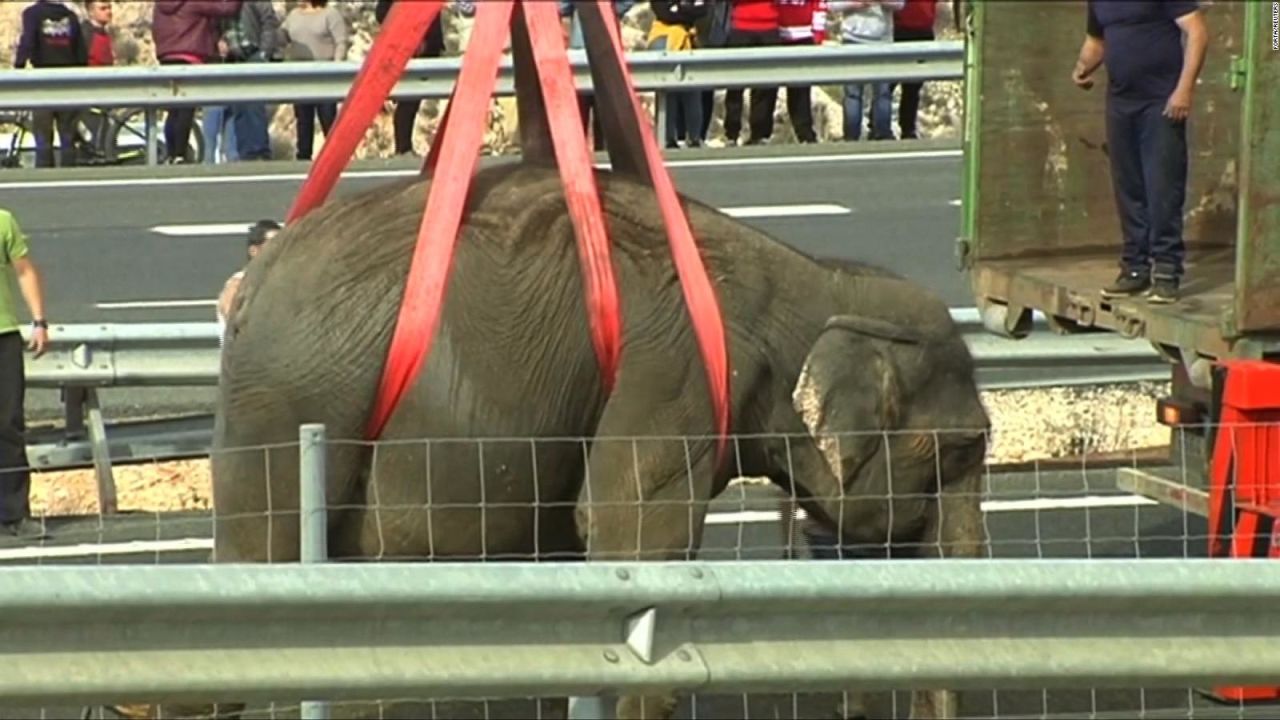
x,y
1128,283
1164,291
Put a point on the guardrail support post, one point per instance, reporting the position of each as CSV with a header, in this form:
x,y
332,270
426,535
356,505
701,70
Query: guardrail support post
x,y
660,118
107,504
152,151
313,520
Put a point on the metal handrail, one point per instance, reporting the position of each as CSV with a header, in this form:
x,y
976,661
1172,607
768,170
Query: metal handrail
x,y
652,70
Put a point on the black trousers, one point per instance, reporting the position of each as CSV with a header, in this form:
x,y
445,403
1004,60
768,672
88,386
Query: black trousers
x,y
763,99
178,122
42,125
306,115
15,476
1149,176
800,107
909,105
406,114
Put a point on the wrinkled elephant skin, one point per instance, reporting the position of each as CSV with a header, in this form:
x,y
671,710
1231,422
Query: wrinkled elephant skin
x,y
815,349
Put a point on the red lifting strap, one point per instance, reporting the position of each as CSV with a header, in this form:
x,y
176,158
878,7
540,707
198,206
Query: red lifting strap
x,y
452,161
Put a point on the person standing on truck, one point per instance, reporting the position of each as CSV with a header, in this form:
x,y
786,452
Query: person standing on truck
x,y
1151,75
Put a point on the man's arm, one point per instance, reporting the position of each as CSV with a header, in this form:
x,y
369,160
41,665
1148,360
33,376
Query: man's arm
x,y
26,38
1092,51
226,296
268,30
1192,23
30,284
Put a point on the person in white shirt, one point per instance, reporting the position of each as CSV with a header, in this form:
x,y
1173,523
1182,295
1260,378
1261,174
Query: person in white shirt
x,y
867,21
259,233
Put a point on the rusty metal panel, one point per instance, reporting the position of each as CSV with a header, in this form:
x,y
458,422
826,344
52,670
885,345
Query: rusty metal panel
x,y
1040,179
1257,301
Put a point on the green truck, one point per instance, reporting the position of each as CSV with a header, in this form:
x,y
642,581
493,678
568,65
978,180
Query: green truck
x,y
1040,229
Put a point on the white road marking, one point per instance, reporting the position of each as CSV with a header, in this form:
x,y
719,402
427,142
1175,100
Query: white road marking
x,y
763,211
719,518
123,548
745,211
153,304
988,506
372,174
199,230
957,202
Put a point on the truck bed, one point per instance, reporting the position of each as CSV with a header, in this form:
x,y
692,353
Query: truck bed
x,y
1069,288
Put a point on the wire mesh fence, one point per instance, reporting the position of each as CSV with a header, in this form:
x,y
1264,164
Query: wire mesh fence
x,y
537,499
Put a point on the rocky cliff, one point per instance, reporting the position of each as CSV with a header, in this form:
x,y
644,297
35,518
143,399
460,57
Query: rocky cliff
x,y
939,113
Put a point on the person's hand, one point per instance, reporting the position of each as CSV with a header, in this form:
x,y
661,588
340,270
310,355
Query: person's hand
x,y
1081,78
1179,105
39,341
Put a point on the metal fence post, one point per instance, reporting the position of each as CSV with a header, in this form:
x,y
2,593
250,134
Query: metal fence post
x,y
313,519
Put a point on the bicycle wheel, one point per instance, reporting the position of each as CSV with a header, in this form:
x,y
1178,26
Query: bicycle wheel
x,y
127,140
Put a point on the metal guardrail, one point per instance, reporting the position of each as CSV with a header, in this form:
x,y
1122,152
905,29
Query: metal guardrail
x,y
308,632
184,85
187,354
155,87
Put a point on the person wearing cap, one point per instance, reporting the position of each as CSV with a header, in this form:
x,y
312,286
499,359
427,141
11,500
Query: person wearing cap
x,y
259,233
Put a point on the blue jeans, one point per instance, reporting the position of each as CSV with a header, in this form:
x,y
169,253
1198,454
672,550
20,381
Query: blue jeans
x,y
219,130
881,111
250,129
1149,175
684,110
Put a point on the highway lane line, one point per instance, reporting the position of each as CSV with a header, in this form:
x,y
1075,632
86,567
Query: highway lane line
x,y
374,174
745,211
718,518
988,506
122,548
153,304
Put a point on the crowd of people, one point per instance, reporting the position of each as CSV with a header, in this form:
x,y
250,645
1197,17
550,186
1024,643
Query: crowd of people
x,y
65,33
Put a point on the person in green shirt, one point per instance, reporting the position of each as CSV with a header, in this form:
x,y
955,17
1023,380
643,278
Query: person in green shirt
x,y
15,475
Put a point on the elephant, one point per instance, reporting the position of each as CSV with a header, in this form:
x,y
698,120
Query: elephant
x,y
820,351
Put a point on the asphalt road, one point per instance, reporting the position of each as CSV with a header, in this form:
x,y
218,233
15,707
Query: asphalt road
x,y
1028,515
94,231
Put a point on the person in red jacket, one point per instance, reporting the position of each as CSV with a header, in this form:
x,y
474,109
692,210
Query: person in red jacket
x,y
801,22
97,33
187,32
752,23
914,22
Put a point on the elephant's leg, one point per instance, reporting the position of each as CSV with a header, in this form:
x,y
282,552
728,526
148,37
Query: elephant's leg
x,y
646,499
955,529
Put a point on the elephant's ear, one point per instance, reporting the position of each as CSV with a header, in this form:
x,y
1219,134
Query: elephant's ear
x,y
848,390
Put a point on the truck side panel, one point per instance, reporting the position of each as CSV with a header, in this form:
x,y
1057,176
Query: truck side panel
x,y
1258,260
1043,165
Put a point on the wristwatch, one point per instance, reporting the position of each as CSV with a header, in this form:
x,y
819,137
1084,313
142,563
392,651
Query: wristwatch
x,y
42,324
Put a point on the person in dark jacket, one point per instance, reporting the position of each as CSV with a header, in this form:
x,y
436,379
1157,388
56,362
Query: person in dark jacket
x,y
51,37
187,32
252,36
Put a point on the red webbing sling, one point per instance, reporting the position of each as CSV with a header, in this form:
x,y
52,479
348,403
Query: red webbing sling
x,y
699,295
452,161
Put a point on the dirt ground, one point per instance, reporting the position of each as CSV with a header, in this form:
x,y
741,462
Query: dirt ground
x,y
1028,425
